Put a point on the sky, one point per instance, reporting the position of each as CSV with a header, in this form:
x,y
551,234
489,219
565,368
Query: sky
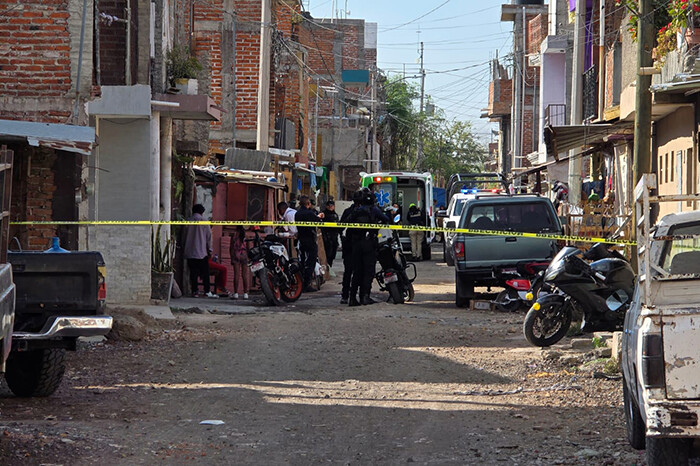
x,y
460,37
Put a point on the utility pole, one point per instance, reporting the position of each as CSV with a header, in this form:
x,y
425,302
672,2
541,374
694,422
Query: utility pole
x,y
642,118
316,123
264,78
577,100
373,164
419,157
601,62
518,92
234,88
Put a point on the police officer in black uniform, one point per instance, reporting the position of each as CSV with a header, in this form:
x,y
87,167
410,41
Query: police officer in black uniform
x,y
307,240
364,248
346,241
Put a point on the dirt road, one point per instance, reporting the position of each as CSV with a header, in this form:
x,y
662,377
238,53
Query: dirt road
x,y
321,383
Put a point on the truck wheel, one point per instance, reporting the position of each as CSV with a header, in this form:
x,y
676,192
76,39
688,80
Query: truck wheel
x,y
668,451
35,373
464,291
636,430
446,253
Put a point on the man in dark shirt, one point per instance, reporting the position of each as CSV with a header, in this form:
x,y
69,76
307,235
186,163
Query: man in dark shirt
x,y
364,248
308,248
330,235
348,258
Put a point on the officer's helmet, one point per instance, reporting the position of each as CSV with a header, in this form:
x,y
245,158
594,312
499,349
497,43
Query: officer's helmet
x,y
368,197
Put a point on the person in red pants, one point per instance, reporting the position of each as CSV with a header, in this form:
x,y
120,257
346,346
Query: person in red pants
x,y
220,273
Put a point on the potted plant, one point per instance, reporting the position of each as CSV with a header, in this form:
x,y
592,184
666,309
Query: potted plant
x,y
162,253
182,69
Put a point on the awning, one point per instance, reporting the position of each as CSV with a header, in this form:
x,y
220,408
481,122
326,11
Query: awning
x,y
560,139
70,138
553,163
266,179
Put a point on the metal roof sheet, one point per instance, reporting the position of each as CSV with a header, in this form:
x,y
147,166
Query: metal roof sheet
x,y
71,138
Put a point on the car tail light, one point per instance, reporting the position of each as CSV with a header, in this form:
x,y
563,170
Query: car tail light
x,y
459,250
653,360
101,284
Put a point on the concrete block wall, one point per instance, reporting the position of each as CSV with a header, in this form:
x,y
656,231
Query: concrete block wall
x,y
127,254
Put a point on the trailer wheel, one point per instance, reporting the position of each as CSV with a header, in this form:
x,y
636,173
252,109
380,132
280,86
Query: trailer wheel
x,y
36,372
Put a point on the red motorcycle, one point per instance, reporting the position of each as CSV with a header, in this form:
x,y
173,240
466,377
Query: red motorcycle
x,y
520,284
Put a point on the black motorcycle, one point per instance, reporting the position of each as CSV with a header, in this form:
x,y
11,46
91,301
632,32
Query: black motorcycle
x,y
393,277
280,277
601,291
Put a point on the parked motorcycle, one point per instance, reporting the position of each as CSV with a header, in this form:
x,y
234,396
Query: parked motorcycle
x,y
393,276
280,278
519,283
601,291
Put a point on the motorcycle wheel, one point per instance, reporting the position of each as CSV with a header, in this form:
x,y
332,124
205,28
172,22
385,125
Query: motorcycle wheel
x,y
395,293
548,325
508,301
293,292
409,293
270,290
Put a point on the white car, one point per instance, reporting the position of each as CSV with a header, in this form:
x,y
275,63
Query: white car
x,y
452,214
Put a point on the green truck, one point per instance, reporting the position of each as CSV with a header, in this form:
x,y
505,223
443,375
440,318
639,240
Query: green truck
x,y
479,258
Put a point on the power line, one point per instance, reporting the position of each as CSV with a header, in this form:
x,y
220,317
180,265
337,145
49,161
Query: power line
x,y
418,18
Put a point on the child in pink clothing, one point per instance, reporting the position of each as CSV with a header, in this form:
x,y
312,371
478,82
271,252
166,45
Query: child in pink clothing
x,y
239,260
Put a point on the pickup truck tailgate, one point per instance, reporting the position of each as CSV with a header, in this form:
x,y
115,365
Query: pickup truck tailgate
x,y
681,334
486,251
56,281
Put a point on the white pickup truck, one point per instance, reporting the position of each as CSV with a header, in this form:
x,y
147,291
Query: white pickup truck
x,y
661,338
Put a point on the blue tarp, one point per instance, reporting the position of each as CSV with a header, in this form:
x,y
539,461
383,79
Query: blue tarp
x,y
439,196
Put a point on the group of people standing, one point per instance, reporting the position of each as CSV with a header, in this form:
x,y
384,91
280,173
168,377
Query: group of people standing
x,y
359,247
196,244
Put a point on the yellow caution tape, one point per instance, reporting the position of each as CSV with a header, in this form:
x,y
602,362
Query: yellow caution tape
x,y
469,231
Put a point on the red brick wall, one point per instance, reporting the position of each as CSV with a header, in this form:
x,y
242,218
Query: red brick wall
x,y
537,31
112,44
32,195
207,47
37,62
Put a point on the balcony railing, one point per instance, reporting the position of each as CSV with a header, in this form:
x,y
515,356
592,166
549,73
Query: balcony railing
x,y
590,94
555,115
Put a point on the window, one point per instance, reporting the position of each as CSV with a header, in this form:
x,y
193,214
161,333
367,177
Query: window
x,y
255,208
661,168
690,174
534,217
459,206
671,167
666,168
682,256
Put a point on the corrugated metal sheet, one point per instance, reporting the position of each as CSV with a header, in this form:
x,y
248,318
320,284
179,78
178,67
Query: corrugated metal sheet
x,y
563,138
71,138
240,176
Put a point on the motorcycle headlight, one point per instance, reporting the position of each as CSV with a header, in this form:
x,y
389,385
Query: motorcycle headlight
x,y
551,275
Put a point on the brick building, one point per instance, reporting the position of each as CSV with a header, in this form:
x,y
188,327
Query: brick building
x,y
342,59
69,79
